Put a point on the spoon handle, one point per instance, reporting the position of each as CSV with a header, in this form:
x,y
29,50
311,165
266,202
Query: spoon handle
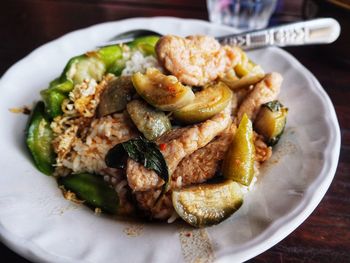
x,y
316,31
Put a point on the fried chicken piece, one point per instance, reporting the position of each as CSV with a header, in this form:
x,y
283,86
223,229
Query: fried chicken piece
x,y
264,91
262,151
202,164
179,143
195,60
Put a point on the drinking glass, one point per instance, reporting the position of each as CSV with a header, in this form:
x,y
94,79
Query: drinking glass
x,y
242,14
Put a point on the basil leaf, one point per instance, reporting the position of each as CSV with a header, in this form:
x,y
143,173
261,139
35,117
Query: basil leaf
x,y
116,157
142,151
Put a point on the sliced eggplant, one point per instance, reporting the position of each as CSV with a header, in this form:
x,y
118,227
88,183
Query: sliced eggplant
x,y
238,163
244,74
271,121
151,122
161,91
235,83
207,204
115,97
246,66
207,103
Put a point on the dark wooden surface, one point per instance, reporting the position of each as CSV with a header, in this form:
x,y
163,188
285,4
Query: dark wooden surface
x,y
325,235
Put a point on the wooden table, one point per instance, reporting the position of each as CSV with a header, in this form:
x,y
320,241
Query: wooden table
x,y
325,235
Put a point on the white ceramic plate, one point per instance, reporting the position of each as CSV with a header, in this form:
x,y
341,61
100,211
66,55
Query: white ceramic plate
x,y
38,223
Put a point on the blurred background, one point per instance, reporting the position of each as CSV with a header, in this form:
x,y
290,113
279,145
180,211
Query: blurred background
x,y
325,235
27,24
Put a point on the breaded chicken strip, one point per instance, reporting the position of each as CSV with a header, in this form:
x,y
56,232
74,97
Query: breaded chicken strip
x,y
179,143
195,60
264,91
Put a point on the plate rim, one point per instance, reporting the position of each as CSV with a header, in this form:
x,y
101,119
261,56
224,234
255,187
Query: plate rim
x,y
275,232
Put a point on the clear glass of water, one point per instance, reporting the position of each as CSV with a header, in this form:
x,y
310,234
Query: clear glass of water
x,y
242,14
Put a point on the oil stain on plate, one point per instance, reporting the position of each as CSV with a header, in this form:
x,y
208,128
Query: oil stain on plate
x,y
133,230
196,246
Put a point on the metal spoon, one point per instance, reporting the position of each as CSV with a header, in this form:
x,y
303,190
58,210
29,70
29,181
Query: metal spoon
x,y
315,31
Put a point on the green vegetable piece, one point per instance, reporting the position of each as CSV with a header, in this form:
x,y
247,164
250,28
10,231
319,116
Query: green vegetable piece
x,y
163,92
110,54
247,67
243,67
245,73
38,139
238,163
64,87
58,89
271,121
54,96
93,190
207,103
117,68
207,204
151,122
69,65
91,65
149,40
235,83
117,94
145,44
116,157
142,151
86,67
53,100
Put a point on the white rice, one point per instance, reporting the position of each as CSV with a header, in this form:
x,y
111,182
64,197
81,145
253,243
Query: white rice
x,y
88,155
173,217
139,63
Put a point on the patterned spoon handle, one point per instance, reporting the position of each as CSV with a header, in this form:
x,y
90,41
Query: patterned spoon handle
x,y
316,31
